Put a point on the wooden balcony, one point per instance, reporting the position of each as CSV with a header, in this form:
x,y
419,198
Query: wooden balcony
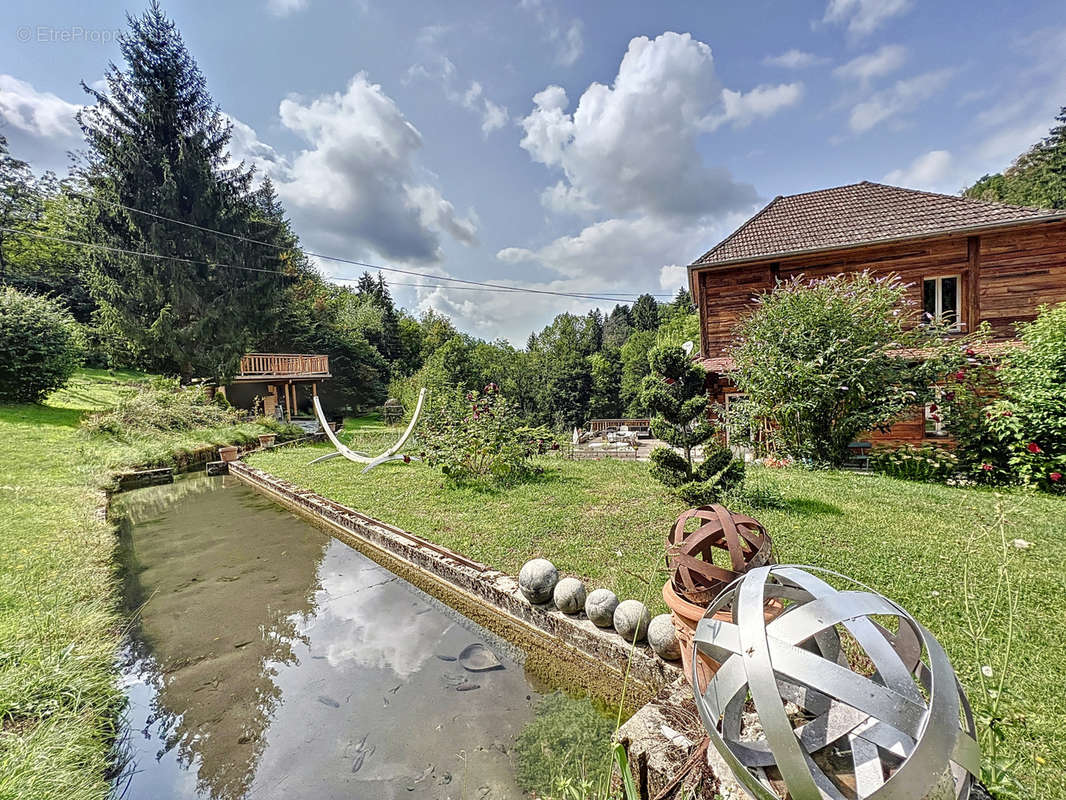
x,y
282,367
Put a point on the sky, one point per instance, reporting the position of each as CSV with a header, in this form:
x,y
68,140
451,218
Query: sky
x,y
590,146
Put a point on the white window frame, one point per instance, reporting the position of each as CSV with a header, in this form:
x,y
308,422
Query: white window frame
x,y
939,281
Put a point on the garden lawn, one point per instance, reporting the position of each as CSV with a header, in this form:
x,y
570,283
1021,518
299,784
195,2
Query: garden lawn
x,y
59,626
607,521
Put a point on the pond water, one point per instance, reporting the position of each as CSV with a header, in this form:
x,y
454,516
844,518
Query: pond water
x,y
270,660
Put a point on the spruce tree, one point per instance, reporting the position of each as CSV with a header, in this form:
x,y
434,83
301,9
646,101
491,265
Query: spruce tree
x,y
674,392
645,313
159,144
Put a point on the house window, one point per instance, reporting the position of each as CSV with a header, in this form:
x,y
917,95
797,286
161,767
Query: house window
x,y
934,421
940,300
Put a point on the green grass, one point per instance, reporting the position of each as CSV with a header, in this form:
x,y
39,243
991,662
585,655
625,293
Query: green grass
x,y
606,521
58,595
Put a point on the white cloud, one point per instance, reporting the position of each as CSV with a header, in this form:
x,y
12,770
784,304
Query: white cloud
x,y
282,8
863,17
493,116
794,59
900,98
630,148
356,185
565,36
742,108
37,113
928,171
884,60
673,277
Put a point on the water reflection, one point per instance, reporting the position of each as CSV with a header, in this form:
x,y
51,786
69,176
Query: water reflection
x,y
272,661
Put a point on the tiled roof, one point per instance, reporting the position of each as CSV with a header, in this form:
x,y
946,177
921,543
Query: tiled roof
x,y
860,213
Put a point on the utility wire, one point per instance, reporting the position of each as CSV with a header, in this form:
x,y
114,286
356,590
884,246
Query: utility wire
x,y
354,262
110,249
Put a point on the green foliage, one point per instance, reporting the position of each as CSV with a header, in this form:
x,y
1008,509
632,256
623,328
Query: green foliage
x,y
679,327
477,435
821,360
1036,178
162,406
158,143
41,344
1031,417
564,735
605,370
634,369
916,463
645,313
674,393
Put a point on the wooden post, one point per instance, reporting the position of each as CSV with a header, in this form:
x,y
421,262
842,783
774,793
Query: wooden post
x,y
314,389
288,404
973,253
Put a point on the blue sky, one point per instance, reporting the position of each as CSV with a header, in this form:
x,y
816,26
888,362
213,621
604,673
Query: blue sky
x,y
582,146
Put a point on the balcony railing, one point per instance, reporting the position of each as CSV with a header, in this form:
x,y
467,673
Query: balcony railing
x,y
283,365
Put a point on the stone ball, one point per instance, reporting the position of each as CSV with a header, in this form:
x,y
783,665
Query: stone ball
x,y
569,595
631,620
600,607
663,638
537,579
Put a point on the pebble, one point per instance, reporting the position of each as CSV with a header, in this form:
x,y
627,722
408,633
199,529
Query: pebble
x,y
569,596
663,638
631,620
537,579
600,606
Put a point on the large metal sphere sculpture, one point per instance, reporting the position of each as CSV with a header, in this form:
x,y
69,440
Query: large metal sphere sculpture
x,y
832,697
696,577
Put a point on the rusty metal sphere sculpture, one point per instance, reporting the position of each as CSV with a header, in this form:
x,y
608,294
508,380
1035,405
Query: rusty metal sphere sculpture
x,y
696,577
832,697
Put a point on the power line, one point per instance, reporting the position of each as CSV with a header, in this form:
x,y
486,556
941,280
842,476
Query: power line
x,y
354,262
160,256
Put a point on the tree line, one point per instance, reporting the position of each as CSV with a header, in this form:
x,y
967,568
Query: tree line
x,y
193,263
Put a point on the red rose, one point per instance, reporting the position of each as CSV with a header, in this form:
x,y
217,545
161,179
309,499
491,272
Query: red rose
x,y
970,352
960,375
986,467
1055,476
1033,447
932,406
949,396
555,445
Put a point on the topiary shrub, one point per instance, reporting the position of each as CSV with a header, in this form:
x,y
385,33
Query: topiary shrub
x,y
41,343
674,392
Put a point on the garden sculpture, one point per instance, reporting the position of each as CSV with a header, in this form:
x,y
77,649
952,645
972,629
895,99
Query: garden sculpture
x,y
392,454
844,704
690,554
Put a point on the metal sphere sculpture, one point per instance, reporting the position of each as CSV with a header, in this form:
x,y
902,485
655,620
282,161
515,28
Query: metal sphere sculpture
x,y
844,703
696,577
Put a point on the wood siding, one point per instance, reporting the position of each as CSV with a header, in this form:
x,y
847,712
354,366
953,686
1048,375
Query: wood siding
x,y
1004,278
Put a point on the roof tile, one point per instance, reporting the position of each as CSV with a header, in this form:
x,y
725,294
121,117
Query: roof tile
x,y
859,213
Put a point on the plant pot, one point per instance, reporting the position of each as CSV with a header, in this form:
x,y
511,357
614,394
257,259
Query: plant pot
x,y
227,453
686,617
267,439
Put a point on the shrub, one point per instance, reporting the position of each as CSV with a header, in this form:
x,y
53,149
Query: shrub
x,y
41,343
472,435
162,405
1031,417
916,463
822,360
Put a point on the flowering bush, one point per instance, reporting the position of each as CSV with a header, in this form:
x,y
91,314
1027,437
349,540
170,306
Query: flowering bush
x,y
472,435
925,463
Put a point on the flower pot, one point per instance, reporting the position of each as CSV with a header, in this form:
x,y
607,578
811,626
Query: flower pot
x,y
267,439
227,453
686,617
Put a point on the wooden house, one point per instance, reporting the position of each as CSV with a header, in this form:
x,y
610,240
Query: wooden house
x,y
965,261
274,380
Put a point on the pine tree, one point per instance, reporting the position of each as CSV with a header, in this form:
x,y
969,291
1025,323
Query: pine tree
x,y
617,327
675,394
159,144
645,313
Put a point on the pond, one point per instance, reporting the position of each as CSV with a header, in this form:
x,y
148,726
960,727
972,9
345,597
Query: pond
x,y
267,659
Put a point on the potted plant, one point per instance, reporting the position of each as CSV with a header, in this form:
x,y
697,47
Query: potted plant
x,y
228,453
267,439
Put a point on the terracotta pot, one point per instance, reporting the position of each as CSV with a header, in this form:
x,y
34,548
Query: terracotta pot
x,y
266,439
686,617
227,453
